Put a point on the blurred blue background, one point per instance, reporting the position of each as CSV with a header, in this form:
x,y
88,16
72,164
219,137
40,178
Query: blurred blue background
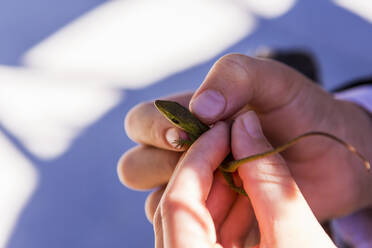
x,y
70,71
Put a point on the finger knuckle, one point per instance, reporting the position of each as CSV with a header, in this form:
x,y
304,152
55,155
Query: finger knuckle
x,y
239,66
170,203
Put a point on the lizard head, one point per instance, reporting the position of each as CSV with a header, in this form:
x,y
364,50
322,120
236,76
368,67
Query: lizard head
x,y
181,117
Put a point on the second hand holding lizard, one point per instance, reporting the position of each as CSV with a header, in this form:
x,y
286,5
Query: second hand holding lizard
x,y
185,120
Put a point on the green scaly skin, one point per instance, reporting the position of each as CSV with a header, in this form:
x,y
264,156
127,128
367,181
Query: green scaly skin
x,y
185,120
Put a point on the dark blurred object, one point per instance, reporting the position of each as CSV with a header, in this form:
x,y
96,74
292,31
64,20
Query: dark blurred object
x,y
355,83
299,60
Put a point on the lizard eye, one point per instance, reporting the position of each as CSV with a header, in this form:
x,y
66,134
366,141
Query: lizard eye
x,y
175,121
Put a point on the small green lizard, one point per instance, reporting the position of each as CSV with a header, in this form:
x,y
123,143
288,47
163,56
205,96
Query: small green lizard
x,y
185,120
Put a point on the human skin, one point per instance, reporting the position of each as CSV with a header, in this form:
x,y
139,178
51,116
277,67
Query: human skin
x,y
191,210
332,180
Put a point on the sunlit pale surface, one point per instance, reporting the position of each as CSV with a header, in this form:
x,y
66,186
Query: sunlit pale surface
x,y
268,8
137,42
46,112
362,8
18,180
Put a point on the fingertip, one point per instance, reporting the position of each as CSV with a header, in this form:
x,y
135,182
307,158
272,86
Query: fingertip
x,y
152,202
146,167
245,131
131,170
252,125
208,105
221,126
123,172
248,140
173,136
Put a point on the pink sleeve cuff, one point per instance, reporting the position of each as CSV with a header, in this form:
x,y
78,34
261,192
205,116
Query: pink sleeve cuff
x,y
361,95
355,229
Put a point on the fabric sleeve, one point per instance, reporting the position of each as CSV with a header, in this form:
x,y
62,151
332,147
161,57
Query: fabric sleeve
x,y
361,95
355,230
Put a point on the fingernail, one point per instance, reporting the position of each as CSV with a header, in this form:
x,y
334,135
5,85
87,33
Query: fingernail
x,y
252,124
172,136
209,104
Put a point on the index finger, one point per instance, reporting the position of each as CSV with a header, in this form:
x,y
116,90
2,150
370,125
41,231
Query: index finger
x,y
186,219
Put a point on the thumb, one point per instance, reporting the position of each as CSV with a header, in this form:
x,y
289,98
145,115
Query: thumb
x,y
282,213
